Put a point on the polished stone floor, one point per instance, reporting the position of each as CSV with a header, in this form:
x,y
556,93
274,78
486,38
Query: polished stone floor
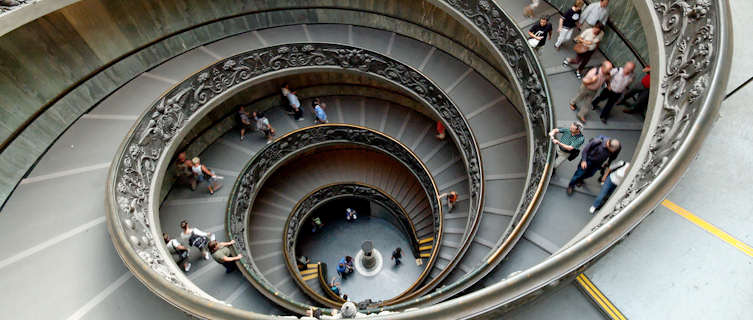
x,y
341,238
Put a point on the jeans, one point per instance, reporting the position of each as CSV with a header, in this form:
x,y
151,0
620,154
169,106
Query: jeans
x,y
582,174
298,114
611,97
606,191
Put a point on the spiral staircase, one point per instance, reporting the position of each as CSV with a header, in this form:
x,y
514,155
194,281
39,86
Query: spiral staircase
x,y
514,246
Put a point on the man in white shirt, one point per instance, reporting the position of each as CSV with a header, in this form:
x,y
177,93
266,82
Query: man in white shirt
x,y
620,79
178,252
293,102
595,12
613,177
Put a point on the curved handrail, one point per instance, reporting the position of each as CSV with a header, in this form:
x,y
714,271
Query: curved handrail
x,y
289,146
314,199
322,275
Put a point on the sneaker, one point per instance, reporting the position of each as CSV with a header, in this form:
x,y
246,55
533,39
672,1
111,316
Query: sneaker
x,y
592,209
603,120
206,255
578,75
301,119
565,63
269,141
188,267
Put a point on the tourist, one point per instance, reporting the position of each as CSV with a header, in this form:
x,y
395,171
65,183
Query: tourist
x,y
539,32
569,142
313,312
350,214
334,285
641,101
343,267
397,255
183,171
201,172
196,238
345,297
599,152
262,124
612,178
320,117
595,13
528,10
293,102
178,252
349,263
316,224
223,255
587,43
303,262
619,80
568,23
246,122
440,130
590,85
450,199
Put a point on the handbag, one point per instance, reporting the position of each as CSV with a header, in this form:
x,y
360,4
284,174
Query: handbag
x,y
573,154
533,42
580,48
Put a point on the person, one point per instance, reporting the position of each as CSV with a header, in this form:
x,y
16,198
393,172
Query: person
x,y
619,80
293,102
320,117
568,23
350,214
334,286
594,14
345,297
570,140
613,177
196,238
201,172
397,255
641,101
183,171
314,312
303,262
590,84
528,10
349,263
223,255
343,268
599,152
178,251
440,131
246,122
262,124
539,32
316,224
588,41
451,197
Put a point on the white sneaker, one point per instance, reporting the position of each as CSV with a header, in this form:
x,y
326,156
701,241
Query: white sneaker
x,y
188,266
592,209
206,255
301,119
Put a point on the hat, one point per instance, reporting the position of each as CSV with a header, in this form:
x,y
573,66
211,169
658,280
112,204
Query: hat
x,y
349,310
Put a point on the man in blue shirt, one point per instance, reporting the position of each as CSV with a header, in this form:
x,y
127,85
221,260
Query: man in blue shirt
x,y
319,114
293,101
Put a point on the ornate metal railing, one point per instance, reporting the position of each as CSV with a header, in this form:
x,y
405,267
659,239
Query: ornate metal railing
x,y
284,149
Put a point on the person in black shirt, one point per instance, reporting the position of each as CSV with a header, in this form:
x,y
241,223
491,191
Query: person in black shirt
x,y
568,23
540,31
597,153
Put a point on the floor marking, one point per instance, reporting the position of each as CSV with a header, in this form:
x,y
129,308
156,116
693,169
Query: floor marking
x,y
426,59
363,112
237,293
598,297
402,127
422,241
505,176
339,110
123,117
258,37
65,173
100,297
389,45
236,147
459,80
502,140
484,107
350,34
159,78
306,32
51,242
308,271
386,112
311,276
708,227
421,136
210,52
501,212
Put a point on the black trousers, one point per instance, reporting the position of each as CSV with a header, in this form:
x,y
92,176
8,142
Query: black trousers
x,y
611,98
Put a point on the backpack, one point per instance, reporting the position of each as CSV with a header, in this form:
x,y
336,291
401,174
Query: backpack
x,y
198,241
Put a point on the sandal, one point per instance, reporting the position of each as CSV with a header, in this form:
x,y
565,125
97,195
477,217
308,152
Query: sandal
x,y
572,107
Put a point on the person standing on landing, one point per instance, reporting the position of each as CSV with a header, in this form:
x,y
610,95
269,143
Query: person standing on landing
x,y
612,179
594,14
539,33
619,80
568,23
598,152
570,140
589,86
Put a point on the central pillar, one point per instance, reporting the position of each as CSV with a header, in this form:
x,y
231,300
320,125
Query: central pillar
x,y
368,259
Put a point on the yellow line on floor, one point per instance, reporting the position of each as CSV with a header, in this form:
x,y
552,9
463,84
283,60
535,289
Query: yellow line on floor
x,y
425,255
422,241
424,248
708,227
307,271
599,297
312,265
309,277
